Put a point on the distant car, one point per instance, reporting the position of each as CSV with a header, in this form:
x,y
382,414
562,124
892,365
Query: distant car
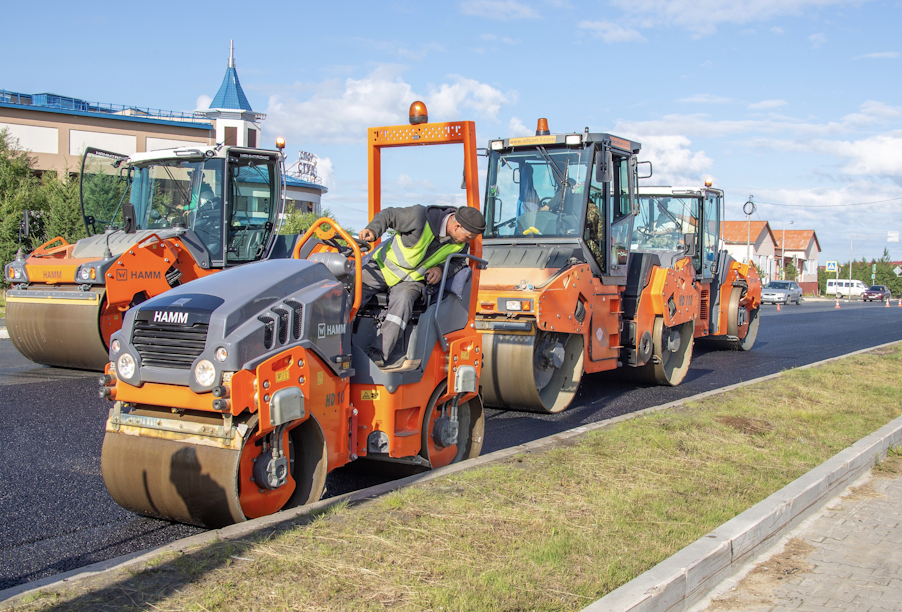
x,y
781,292
876,292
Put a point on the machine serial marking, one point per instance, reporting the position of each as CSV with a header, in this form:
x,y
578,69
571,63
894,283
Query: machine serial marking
x,y
162,316
283,376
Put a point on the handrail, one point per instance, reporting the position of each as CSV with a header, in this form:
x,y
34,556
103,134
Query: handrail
x,y
45,249
326,235
482,266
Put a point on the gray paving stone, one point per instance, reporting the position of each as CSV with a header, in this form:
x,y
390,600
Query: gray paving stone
x,y
855,564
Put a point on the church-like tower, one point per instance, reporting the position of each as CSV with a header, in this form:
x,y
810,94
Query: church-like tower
x,y
236,122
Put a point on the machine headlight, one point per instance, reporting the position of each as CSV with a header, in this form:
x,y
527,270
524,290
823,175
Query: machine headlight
x,y
205,373
513,305
497,145
221,354
573,139
125,366
115,345
84,273
17,273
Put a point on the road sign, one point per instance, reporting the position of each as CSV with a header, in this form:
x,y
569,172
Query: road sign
x,y
892,237
898,271
832,266
873,277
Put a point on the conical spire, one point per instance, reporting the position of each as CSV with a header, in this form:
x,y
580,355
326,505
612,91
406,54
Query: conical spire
x,y
230,94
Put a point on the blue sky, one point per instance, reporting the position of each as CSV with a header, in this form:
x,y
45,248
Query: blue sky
x,y
796,102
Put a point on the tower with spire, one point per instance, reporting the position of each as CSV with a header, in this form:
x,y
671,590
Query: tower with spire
x,y
236,122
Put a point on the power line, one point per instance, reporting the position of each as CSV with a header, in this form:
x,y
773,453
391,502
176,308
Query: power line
x,y
828,205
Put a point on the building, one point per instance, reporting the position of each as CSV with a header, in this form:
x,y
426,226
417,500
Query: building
x,y
803,250
56,129
754,241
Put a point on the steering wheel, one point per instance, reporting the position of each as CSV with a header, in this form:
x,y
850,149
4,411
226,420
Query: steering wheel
x,y
345,249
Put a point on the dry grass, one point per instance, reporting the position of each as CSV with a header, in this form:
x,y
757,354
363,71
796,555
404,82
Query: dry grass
x,y
546,531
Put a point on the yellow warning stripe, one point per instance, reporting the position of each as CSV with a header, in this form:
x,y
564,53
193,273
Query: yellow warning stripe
x,y
10,299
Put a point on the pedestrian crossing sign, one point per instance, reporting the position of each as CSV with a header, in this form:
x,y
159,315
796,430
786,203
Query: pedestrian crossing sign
x,y
832,266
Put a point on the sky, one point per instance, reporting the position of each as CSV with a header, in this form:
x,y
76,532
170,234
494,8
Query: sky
x,y
794,104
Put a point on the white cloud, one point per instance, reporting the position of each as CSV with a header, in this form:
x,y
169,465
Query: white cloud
x,y
611,32
339,112
408,184
503,39
817,40
500,10
881,55
516,128
673,161
203,102
768,104
702,16
873,112
325,169
705,99
776,30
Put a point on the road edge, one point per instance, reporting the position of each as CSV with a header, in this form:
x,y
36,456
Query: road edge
x,y
293,516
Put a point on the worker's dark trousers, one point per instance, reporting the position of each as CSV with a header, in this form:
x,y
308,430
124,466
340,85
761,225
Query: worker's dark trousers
x,y
400,303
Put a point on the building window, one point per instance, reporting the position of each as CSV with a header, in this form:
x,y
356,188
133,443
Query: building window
x,y
252,138
231,136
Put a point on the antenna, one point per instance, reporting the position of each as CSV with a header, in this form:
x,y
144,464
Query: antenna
x,y
231,54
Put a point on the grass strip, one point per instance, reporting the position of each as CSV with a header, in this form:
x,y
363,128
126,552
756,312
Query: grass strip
x,y
554,530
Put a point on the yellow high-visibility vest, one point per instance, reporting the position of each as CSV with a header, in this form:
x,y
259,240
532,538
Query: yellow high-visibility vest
x,y
400,263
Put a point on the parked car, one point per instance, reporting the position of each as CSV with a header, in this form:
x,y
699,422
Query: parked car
x,y
781,292
841,288
876,292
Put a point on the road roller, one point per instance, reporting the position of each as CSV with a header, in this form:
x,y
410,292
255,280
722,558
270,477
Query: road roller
x,y
234,404
155,221
561,295
682,226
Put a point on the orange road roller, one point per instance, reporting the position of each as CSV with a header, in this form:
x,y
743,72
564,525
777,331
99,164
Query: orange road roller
x,y
235,395
155,221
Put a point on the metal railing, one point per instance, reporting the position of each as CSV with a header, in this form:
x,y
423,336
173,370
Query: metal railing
x,y
102,108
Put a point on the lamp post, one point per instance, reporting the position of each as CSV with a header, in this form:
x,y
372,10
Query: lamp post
x,y
749,209
783,253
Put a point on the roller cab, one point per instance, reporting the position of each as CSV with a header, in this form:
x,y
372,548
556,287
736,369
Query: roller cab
x,y
681,228
230,404
154,221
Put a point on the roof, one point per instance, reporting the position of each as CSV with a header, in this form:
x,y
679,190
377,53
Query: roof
x,y
797,240
292,181
230,94
737,232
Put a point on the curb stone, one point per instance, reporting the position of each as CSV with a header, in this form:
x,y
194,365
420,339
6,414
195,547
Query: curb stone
x,y
712,556
682,580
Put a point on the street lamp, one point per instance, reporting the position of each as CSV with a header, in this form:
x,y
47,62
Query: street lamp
x,y
749,209
783,252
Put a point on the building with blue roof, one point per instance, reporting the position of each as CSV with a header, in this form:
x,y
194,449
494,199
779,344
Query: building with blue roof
x,y
56,129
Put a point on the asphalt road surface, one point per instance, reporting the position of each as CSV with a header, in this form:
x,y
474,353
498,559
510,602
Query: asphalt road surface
x,y
55,514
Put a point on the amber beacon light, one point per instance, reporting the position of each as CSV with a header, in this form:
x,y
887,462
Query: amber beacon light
x,y
542,127
280,143
418,113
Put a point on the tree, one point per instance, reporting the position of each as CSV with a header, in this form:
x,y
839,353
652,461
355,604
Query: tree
x,y
64,216
20,190
791,272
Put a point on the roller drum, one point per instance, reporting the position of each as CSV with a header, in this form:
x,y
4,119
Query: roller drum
x,y
532,373
58,331
172,480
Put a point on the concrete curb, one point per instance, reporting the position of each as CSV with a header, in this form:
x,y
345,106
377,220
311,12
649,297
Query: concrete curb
x,y
294,516
682,580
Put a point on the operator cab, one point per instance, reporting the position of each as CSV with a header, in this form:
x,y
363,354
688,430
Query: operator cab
x,y
569,192
223,201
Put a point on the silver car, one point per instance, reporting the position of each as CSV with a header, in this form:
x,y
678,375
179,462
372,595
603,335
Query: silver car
x,y
781,292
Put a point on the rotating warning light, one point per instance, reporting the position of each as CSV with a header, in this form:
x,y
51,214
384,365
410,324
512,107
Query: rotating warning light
x,y
418,113
280,143
542,127
709,181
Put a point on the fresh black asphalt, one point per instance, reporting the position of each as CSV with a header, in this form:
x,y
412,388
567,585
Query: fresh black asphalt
x,y
55,514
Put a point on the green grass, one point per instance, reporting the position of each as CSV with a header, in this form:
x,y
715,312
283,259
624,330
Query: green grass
x,y
554,530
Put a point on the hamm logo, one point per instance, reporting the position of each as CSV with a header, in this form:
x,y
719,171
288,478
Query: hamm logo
x,y
330,330
164,316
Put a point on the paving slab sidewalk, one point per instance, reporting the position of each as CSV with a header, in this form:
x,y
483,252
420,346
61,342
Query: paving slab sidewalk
x,y
848,557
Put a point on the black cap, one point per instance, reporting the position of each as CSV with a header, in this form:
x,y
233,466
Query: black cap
x,y
470,219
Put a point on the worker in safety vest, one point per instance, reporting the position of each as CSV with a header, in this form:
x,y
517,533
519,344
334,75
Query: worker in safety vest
x,y
415,256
